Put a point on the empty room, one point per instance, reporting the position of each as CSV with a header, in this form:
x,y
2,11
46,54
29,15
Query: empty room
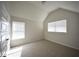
x,y
39,29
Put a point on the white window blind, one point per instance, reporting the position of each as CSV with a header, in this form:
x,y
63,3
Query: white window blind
x,y
18,30
57,26
51,27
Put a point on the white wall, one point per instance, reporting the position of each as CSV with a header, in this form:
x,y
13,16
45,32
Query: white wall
x,y
70,38
26,10
33,31
35,10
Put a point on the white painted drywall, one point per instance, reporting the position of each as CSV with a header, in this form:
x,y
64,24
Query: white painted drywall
x,y
33,31
71,38
35,10
26,10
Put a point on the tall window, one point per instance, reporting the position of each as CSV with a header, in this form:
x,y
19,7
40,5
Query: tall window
x,y
18,30
57,26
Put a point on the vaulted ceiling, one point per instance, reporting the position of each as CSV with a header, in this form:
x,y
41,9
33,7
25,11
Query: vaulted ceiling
x,y
38,11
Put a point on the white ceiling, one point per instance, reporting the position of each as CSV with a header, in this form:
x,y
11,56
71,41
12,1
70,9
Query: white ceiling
x,y
35,10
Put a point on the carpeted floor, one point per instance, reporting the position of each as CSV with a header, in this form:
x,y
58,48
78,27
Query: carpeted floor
x,y
43,48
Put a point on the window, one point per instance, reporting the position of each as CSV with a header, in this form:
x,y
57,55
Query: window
x,y
18,30
51,27
57,26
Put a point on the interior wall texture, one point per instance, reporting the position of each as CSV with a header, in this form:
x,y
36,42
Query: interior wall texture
x,y
71,38
33,31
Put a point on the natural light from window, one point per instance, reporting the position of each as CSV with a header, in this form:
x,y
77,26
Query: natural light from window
x,y
57,26
18,30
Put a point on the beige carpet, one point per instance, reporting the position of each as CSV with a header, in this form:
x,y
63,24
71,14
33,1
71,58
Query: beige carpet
x,y
44,48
